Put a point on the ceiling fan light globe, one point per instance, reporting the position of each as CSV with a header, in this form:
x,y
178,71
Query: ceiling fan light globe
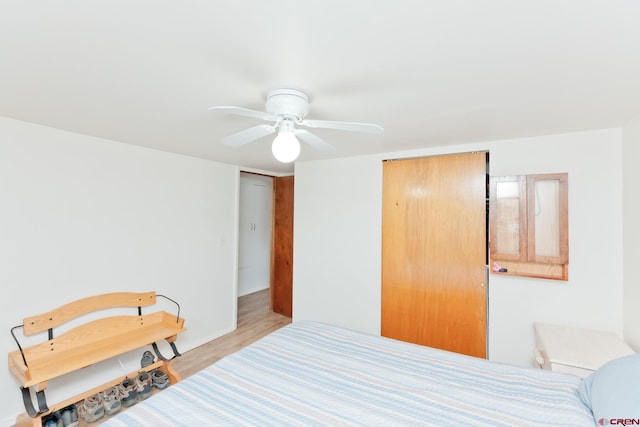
x,y
285,147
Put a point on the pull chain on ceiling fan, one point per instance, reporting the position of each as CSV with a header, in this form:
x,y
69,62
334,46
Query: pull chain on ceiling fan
x,y
288,108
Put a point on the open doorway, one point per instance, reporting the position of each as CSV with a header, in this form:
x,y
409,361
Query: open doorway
x,y
265,252
255,222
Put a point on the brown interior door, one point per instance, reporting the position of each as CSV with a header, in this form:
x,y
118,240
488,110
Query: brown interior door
x,y
434,252
282,246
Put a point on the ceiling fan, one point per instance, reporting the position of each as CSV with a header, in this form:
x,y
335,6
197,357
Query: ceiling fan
x,y
287,108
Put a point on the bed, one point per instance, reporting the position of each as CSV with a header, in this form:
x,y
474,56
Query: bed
x,y
310,373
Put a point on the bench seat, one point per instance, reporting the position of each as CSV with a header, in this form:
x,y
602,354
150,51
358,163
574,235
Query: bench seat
x,y
91,343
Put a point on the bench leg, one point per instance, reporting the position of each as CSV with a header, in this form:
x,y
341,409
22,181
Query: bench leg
x,y
167,368
24,420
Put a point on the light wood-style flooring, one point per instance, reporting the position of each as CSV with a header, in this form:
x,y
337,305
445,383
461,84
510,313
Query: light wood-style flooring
x,y
255,320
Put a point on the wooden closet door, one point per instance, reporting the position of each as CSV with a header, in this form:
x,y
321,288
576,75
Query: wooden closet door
x,y
434,252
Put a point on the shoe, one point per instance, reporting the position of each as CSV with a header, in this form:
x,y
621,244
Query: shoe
x,y
147,359
69,416
52,420
111,400
128,392
92,409
160,379
144,383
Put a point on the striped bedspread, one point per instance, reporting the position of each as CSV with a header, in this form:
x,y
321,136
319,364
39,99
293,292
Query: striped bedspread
x,y
313,374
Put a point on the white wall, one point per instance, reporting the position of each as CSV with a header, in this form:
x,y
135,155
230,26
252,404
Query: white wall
x,y
631,156
338,230
81,216
337,226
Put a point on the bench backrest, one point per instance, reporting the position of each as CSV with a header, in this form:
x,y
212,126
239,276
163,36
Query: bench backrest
x,y
45,321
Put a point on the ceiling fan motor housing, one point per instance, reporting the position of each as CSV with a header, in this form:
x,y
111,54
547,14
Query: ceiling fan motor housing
x,y
288,103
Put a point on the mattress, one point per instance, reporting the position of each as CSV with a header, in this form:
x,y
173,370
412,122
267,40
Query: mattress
x,y
315,374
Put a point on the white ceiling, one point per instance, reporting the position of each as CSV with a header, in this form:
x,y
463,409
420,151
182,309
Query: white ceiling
x,y
430,72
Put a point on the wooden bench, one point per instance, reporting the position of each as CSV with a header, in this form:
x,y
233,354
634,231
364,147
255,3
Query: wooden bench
x,y
87,344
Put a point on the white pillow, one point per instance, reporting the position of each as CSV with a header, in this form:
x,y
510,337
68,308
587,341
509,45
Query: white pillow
x,y
613,391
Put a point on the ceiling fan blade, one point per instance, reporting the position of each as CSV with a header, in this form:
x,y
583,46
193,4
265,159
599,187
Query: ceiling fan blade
x,y
245,136
239,111
313,140
350,126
